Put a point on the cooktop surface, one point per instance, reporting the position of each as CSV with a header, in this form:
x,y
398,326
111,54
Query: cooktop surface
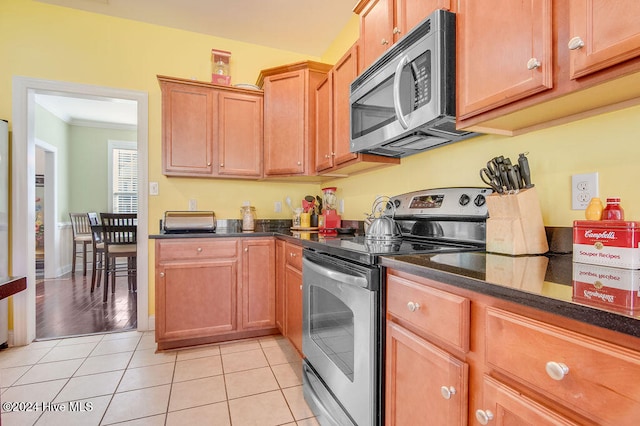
x,y
361,249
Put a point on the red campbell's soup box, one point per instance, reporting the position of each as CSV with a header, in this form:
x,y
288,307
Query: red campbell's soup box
x,y
613,243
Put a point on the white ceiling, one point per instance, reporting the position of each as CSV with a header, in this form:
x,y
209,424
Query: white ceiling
x,y
303,26
94,112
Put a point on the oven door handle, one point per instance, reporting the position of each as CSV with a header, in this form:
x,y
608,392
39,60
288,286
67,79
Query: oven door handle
x,y
325,271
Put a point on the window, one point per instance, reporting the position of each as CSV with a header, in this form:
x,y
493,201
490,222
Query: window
x,y
123,177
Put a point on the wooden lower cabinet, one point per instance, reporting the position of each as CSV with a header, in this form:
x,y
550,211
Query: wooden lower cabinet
x,y
293,295
522,366
424,384
213,289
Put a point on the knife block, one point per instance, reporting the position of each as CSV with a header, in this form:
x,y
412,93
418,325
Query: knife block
x,y
515,224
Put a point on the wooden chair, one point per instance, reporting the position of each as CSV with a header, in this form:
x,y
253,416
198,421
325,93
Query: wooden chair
x,y
98,249
119,233
81,235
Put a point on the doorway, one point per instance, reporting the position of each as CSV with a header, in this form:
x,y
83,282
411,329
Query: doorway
x,y
23,188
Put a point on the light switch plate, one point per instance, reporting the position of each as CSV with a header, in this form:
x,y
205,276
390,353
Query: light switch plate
x,y
153,188
584,187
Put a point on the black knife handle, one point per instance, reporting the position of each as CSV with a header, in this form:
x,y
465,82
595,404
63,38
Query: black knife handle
x,y
525,172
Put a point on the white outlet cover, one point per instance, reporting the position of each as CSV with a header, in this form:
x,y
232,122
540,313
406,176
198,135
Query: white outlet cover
x,y
584,187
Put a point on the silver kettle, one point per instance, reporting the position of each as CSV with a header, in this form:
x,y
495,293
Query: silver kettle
x,y
379,225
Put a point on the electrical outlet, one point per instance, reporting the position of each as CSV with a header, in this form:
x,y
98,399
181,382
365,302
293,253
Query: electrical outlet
x,y
153,188
193,205
584,187
341,206
277,207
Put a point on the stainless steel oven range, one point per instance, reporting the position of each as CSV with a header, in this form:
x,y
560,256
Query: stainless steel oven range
x,y
344,300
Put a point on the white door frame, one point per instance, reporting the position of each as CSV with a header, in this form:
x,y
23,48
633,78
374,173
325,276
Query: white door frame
x,y
51,234
23,194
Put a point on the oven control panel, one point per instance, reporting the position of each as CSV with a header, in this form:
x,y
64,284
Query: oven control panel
x,y
443,202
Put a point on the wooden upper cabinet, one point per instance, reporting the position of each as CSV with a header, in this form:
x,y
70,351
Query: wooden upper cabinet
x,y
210,130
240,135
603,33
187,129
342,74
324,140
502,56
333,124
383,22
594,65
289,117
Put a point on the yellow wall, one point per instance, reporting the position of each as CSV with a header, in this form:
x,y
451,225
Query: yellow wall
x,y
607,144
55,43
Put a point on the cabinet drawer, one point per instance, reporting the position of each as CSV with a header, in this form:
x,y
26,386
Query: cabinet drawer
x,y
435,312
196,248
510,407
601,381
293,256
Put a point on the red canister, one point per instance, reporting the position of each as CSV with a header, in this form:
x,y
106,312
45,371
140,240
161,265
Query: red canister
x,y
613,211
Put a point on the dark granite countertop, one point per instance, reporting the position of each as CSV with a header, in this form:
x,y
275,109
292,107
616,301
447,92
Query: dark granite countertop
x,y
542,282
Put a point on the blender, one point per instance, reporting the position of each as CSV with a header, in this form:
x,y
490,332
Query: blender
x,y
330,219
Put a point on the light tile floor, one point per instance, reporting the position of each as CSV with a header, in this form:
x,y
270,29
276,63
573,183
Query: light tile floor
x,y
120,379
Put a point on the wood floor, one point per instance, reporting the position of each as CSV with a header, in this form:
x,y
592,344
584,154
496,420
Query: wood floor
x,y
65,306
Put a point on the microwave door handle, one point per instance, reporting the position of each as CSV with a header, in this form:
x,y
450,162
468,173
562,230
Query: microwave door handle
x,y
396,92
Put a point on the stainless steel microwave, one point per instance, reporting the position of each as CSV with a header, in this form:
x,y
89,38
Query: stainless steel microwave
x,y
405,102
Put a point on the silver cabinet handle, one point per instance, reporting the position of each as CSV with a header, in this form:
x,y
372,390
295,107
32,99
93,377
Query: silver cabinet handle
x,y
246,249
221,164
413,306
199,249
556,370
299,163
161,274
384,42
533,63
209,163
396,30
484,416
576,43
447,391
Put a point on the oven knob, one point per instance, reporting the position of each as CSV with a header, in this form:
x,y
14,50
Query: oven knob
x,y
396,203
464,199
480,200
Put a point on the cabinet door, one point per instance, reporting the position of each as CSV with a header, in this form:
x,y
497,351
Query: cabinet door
x,y
324,151
280,288
196,299
239,135
609,31
284,124
424,385
293,283
410,12
187,136
344,72
376,30
504,53
258,284
505,406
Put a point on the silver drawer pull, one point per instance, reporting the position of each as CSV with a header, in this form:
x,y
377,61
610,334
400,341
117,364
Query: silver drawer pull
x,y
413,306
161,274
576,43
484,416
556,370
199,249
447,391
533,63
